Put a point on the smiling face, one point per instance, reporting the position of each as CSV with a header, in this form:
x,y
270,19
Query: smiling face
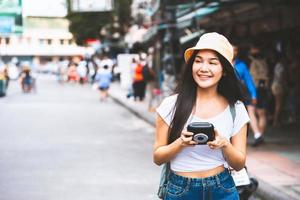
x,y
207,69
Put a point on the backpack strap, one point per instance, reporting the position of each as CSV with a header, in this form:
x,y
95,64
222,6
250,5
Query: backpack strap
x,y
233,115
233,112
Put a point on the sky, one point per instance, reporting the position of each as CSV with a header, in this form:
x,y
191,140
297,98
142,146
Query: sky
x,y
49,8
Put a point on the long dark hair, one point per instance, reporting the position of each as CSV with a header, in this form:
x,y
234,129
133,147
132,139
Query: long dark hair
x,y
229,87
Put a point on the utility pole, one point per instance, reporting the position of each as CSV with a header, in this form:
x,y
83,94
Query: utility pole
x,y
172,38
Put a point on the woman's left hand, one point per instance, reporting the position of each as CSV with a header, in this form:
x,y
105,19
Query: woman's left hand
x,y
219,142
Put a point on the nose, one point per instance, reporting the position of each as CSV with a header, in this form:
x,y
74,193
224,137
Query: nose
x,y
204,67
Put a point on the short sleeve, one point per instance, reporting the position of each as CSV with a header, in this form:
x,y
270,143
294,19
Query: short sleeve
x,y
166,109
241,117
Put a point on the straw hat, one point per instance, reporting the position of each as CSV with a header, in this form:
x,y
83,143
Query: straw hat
x,y
213,41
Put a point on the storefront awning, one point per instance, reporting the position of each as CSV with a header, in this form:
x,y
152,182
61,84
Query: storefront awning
x,y
186,20
191,36
183,21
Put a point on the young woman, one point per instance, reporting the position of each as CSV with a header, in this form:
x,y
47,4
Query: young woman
x,y
208,89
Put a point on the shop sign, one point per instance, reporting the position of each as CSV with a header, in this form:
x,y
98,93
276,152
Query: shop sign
x,y
7,24
92,5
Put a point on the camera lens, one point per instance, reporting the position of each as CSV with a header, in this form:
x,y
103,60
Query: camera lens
x,y
200,138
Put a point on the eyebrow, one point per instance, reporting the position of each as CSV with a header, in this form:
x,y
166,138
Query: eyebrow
x,y
214,58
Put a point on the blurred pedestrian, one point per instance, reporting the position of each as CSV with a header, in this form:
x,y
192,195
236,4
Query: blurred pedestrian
x,y
139,84
2,79
279,86
72,72
6,75
249,89
149,78
260,74
26,79
82,72
130,92
103,77
209,91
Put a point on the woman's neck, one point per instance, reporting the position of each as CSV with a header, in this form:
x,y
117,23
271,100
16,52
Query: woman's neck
x,y
209,103
207,94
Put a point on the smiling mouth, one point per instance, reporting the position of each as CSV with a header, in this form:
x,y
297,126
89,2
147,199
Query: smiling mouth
x,y
204,76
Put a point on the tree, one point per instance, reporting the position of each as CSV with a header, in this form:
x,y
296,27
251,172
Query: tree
x,y
85,25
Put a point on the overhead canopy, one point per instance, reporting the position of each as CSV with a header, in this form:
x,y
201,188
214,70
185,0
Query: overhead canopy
x,y
199,13
191,36
185,20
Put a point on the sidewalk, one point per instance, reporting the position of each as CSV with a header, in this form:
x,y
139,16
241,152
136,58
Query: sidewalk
x,y
276,164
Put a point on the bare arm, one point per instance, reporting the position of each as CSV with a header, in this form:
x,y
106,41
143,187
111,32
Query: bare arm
x,y
234,150
162,151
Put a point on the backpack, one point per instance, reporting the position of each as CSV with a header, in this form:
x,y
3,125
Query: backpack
x,y
147,73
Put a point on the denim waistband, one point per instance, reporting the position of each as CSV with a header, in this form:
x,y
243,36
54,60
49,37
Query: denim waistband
x,y
208,181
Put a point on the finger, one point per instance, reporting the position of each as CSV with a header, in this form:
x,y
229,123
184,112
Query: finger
x,y
193,142
211,146
186,139
187,133
214,142
216,133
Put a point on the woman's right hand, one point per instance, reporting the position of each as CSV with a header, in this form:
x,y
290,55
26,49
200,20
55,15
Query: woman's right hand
x,y
186,139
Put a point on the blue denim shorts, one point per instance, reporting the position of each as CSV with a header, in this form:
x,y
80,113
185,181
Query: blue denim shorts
x,y
218,187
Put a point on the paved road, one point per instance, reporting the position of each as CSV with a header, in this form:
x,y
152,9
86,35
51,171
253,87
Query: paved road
x,y
61,143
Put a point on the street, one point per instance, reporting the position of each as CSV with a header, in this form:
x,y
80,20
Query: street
x,y
62,143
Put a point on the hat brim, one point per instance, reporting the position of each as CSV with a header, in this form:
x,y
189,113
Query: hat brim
x,y
189,52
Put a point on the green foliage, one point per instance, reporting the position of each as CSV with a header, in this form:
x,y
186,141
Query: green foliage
x,y
123,11
88,24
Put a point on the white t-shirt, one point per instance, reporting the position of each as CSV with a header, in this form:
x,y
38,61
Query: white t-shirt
x,y
201,157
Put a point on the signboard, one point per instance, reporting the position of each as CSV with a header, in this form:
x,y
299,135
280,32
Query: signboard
x,y
92,5
10,6
9,3
7,24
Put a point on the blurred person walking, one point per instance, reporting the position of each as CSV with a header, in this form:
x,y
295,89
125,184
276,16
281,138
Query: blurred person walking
x,y
208,92
149,78
103,77
72,72
62,70
82,72
138,84
260,73
6,75
249,89
133,65
279,86
2,79
26,79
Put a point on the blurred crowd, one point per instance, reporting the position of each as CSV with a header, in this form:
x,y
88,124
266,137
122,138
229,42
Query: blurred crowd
x,y
272,79
271,84
275,77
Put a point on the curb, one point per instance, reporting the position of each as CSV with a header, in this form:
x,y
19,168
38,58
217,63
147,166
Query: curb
x,y
268,192
142,116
